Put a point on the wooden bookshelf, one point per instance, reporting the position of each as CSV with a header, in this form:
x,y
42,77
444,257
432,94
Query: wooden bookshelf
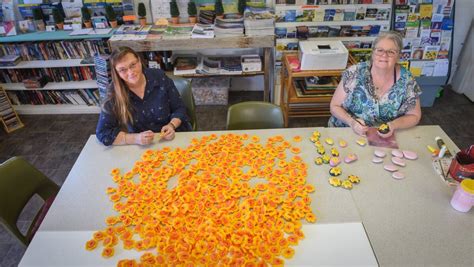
x,y
267,43
294,106
8,115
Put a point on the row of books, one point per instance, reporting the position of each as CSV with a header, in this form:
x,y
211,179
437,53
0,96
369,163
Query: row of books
x,y
88,97
317,14
51,50
8,116
53,74
330,2
304,32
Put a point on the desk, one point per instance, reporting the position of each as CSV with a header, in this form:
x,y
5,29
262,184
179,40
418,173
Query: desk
x,y
156,43
408,222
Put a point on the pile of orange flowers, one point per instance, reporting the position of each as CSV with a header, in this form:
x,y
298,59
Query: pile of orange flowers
x,y
224,200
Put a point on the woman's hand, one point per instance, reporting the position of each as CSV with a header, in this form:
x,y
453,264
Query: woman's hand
x,y
168,131
144,138
390,132
359,127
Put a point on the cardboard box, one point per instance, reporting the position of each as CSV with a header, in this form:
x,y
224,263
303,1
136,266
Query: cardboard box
x,y
251,63
323,55
211,90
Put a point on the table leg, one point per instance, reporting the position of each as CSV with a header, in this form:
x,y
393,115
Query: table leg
x,y
266,68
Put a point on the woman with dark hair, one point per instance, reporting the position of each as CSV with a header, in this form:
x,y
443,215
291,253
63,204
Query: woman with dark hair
x,y
377,92
140,103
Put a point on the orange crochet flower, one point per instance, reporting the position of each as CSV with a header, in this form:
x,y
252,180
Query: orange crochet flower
x,y
196,205
108,252
91,244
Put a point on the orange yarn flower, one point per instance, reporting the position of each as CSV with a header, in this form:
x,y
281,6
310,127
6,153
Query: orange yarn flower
x,y
195,205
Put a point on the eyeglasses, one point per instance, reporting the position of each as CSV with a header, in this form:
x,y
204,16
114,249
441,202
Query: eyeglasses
x,y
130,67
389,53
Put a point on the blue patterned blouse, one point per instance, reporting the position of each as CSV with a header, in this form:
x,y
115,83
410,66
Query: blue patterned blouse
x,y
161,102
362,102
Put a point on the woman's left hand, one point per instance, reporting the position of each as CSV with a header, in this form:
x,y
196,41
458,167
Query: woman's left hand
x,y
167,132
390,132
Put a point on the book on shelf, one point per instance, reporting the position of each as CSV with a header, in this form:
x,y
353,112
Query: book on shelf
x,y
441,67
128,29
430,52
428,68
203,31
349,14
179,31
10,60
209,65
360,54
102,69
185,65
320,82
416,67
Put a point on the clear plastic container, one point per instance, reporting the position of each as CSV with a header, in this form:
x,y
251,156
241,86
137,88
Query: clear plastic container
x,y
463,198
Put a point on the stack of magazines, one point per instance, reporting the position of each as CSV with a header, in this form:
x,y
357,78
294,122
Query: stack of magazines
x,y
259,21
203,31
102,70
206,16
229,26
9,60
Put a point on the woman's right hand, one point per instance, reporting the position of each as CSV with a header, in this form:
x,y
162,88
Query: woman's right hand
x,y
144,138
359,127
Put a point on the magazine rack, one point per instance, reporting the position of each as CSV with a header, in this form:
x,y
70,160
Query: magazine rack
x,y
8,115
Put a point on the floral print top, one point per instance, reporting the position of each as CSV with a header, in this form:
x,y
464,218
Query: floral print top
x,y
362,102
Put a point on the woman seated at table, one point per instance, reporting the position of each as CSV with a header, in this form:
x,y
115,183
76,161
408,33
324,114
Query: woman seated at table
x,y
140,103
378,91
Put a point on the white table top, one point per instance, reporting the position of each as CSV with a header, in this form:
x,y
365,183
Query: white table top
x,y
408,222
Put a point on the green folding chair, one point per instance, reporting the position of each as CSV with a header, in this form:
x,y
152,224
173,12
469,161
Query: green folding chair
x,y
184,87
254,115
19,181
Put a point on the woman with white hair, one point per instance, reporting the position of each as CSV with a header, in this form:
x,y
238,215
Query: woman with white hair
x,y
377,92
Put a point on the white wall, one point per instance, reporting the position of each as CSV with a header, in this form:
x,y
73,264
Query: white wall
x,y
464,13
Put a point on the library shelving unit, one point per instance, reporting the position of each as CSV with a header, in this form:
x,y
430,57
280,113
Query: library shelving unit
x,y
73,85
8,116
267,43
294,105
352,22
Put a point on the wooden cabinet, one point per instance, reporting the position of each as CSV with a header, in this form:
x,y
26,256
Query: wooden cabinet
x,y
307,106
156,43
